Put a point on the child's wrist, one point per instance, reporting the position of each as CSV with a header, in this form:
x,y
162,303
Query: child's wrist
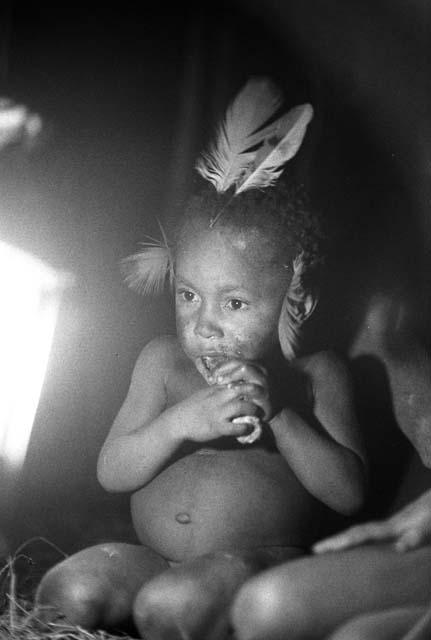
x,y
175,425
280,421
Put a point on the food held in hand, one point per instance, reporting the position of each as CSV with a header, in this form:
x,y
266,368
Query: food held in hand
x,y
257,429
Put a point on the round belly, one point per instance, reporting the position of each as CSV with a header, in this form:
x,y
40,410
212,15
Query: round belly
x,y
215,500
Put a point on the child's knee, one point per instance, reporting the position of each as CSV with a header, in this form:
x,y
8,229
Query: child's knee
x,y
190,599
270,608
163,601
78,598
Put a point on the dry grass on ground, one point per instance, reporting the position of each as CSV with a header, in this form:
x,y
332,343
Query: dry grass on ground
x,y
19,620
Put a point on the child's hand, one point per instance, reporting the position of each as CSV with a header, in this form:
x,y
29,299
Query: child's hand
x,y
408,529
208,414
235,372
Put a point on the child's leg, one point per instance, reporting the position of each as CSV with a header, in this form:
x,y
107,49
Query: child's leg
x,y
310,597
192,600
391,624
97,586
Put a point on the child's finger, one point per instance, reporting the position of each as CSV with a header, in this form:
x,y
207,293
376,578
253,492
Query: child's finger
x,y
355,536
240,407
240,389
260,399
242,371
231,427
254,393
412,539
236,429
227,366
265,408
222,374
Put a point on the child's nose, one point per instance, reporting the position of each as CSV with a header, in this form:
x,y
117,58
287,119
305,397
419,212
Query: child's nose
x,y
207,326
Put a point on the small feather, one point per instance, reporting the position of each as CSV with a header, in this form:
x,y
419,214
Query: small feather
x,y
281,141
226,161
289,323
147,270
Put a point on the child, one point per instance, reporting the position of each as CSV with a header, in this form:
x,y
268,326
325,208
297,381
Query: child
x,y
211,511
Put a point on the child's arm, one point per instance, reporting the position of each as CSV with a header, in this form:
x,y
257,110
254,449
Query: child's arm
x,y
327,455
146,433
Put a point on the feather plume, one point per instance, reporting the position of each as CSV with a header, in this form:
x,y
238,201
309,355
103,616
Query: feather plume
x,y
248,152
147,270
290,322
229,156
281,141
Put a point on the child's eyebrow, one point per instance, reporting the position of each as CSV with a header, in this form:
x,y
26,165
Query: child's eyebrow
x,y
228,289
238,288
184,281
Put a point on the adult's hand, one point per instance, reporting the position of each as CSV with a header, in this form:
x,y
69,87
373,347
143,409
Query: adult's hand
x,y
408,529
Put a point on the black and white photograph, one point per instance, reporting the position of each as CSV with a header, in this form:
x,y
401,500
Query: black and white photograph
x,y
215,320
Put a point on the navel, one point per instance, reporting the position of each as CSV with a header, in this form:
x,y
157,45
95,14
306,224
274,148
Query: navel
x,y
183,518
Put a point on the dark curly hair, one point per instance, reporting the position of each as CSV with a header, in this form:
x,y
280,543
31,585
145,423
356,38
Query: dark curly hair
x,y
281,214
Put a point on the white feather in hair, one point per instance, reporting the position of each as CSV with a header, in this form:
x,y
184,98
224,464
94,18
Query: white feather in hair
x,y
251,147
228,157
147,270
279,145
248,152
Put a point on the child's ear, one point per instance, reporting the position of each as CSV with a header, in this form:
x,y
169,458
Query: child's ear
x,y
295,310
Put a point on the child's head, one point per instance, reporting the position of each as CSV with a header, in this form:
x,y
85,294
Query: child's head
x,y
279,220
227,304
243,252
232,280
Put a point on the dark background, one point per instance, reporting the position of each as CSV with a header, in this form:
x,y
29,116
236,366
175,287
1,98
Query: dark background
x,y
128,97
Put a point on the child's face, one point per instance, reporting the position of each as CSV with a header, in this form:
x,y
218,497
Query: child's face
x,y
228,297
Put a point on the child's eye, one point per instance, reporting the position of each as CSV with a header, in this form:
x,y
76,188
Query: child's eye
x,y
187,296
235,304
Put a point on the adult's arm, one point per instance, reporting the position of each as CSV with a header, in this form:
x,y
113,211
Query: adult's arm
x,y
389,333
407,529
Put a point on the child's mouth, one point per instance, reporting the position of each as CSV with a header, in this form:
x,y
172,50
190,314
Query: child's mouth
x,y
212,362
206,365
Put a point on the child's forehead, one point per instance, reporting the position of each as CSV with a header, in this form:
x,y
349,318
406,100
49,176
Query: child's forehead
x,y
251,244
228,256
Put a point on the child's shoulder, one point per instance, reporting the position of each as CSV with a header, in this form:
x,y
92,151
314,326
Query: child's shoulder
x,y
326,366
165,350
162,363
163,355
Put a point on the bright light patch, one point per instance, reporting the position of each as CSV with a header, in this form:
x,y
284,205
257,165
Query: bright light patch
x,y
29,299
